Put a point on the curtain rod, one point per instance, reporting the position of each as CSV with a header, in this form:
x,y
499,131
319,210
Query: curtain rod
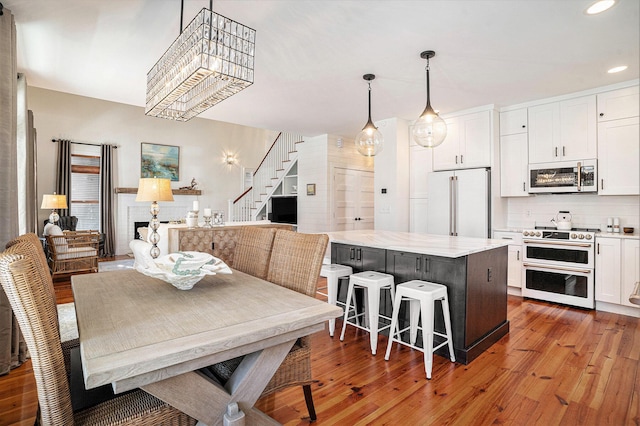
x,y
83,143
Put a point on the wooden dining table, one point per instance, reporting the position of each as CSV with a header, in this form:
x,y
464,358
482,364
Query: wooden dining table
x,y
140,332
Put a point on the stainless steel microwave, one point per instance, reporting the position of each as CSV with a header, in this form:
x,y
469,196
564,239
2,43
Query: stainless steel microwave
x,y
564,176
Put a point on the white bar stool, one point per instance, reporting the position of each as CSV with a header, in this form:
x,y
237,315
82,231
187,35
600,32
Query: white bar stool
x,y
422,296
333,273
373,282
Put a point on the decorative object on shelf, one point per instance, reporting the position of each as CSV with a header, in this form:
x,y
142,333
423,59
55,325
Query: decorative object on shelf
x,y
218,218
369,141
194,185
154,190
311,189
160,161
54,201
211,60
429,130
207,218
192,219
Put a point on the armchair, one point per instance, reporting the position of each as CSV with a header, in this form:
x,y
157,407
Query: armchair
x,y
72,251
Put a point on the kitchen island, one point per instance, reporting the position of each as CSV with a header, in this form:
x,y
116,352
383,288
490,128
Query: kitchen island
x,y
473,269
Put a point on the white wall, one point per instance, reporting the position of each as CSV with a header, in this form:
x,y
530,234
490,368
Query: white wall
x,y
392,174
202,143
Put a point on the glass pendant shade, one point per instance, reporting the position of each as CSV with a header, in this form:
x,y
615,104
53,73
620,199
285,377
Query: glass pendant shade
x,y
211,60
369,141
429,130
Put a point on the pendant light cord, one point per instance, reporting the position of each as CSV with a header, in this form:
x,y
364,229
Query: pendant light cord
x,y
181,13
428,90
369,102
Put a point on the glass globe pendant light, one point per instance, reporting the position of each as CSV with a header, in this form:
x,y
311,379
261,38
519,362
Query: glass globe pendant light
x,y
429,130
369,140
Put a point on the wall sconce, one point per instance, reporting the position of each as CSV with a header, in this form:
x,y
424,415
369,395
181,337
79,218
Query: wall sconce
x,y
230,159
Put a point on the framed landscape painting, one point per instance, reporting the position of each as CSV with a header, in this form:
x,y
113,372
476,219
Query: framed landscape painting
x,y
161,161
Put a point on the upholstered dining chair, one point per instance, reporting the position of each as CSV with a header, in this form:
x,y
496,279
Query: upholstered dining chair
x,y
30,299
295,263
253,250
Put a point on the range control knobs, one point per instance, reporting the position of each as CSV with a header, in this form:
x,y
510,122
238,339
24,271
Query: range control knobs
x,y
581,236
588,236
525,233
573,236
538,234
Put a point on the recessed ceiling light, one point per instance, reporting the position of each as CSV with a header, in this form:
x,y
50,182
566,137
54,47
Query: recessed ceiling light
x,y
600,6
617,69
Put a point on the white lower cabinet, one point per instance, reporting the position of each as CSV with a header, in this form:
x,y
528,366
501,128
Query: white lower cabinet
x,y
630,269
617,269
514,266
607,279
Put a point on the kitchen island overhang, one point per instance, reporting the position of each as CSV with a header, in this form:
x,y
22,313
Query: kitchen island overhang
x,y
473,269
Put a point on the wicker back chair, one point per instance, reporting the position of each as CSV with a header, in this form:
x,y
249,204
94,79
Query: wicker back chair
x,y
36,313
295,263
73,251
253,250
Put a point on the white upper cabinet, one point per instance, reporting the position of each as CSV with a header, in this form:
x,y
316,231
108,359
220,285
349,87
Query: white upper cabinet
x,y
619,157
514,153
513,165
617,104
468,143
513,122
563,131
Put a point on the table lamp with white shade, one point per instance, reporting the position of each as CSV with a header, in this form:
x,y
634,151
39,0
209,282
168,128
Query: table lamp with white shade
x,y
54,201
154,190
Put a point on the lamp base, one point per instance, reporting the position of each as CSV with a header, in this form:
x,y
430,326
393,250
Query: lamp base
x,y
54,217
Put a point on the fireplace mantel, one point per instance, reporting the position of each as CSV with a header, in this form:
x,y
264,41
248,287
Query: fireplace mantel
x,y
175,191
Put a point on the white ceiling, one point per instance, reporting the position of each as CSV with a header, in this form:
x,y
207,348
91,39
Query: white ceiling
x,y
311,55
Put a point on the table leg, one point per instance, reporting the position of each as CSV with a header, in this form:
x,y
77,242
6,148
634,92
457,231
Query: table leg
x,y
202,398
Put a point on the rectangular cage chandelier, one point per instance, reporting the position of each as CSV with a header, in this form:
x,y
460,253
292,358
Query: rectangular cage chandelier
x,y
211,60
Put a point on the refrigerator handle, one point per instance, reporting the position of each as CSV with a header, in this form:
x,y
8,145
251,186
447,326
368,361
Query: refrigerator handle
x,y
455,205
451,205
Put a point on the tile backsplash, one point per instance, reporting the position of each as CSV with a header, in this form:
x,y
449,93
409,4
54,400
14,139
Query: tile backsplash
x,y
586,209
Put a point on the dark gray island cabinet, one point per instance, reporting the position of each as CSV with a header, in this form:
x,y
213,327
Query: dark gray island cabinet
x,y
474,271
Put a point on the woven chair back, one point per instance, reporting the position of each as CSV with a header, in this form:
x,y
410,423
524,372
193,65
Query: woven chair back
x,y
30,299
296,259
253,250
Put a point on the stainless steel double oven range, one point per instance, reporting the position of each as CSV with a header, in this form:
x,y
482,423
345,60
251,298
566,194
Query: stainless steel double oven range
x,y
558,266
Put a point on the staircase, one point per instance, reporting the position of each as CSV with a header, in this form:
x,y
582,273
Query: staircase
x,y
276,164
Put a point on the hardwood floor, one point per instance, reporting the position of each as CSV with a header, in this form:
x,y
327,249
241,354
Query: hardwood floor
x,y
558,365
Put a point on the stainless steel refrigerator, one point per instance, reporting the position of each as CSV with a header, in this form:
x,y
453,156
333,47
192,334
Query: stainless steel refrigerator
x,y
459,203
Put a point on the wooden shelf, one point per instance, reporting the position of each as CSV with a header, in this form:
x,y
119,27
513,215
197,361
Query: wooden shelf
x,y
174,191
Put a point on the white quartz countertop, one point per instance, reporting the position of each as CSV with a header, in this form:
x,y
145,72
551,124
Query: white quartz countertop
x,y
436,245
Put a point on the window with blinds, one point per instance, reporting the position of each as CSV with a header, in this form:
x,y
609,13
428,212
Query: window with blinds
x,y
85,190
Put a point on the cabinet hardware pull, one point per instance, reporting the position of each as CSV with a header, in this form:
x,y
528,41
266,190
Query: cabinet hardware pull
x,y
602,114
426,264
557,268
601,183
556,243
579,175
563,154
456,159
518,255
598,248
352,253
523,186
523,126
556,148
461,158
418,264
359,254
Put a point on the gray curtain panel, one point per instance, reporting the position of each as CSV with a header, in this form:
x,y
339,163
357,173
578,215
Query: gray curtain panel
x,y
106,199
63,176
12,352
